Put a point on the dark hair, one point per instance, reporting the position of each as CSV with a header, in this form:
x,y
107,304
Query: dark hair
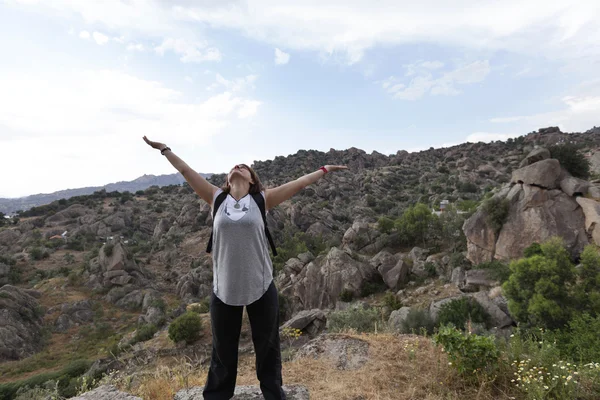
x,y
255,187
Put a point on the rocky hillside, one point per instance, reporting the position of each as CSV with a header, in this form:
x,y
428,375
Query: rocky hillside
x,y
83,277
11,206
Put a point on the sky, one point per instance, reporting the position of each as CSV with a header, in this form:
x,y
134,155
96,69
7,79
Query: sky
x,y
226,81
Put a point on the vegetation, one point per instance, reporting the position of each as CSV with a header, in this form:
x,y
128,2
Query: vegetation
x,y
496,211
187,328
571,158
461,312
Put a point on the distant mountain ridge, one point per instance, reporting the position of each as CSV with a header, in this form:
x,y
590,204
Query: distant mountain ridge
x,y
10,206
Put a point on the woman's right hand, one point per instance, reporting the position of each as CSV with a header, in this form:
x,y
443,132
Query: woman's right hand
x,y
155,145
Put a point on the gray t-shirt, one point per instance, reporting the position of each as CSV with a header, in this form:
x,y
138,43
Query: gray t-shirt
x,y
242,267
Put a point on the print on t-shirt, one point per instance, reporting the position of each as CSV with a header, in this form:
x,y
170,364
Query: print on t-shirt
x,y
234,209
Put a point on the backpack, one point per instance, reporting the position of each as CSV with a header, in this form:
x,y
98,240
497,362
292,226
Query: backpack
x,y
260,201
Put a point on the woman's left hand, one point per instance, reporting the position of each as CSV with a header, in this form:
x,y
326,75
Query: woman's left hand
x,y
333,168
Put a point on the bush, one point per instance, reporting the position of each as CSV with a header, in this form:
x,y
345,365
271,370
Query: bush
x,y
391,301
359,319
466,187
144,333
108,249
571,159
587,292
497,270
460,311
537,290
37,253
414,226
496,211
187,327
532,250
418,322
346,295
471,355
385,224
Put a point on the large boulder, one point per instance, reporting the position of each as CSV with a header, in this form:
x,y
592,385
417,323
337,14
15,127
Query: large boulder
x,y
536,215
320,283
545,174
591,210
393,270
195,285
345,353
498,318
292,392
534,156
106,392
20,324
481,238
74,314
397,318
357,236
574,186
309,321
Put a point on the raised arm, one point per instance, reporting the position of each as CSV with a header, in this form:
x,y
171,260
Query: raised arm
x,y
201,186
279,194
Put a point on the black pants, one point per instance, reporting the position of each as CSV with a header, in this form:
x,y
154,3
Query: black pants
x,y
226,326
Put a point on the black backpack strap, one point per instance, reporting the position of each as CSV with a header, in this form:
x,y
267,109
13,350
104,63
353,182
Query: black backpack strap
x,y
260,200
218,201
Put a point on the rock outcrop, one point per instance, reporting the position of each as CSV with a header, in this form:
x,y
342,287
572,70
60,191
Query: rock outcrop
x,y
20,324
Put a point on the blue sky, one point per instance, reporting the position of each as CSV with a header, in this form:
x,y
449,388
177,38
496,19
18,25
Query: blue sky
x,y
231,81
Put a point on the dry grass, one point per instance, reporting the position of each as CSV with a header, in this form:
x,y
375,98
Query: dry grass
x,y
399,367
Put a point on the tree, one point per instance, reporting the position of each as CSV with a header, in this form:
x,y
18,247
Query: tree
x,y
414,224
571,159
537,289
3,220
587,291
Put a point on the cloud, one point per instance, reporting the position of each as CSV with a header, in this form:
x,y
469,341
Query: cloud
x,y
562,29
94,102
84,35
233,85
100,38
135,47
578,113
424,82
281,58
194,52
189,79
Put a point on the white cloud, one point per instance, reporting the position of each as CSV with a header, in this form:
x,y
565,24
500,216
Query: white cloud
x,y
189,79
189,51
281,57
100,38
135,47
424,82
114,102
233,85
560,29
120,39
84,35
578,113
487,137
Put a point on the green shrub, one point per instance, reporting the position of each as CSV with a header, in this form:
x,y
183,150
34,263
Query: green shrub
x,y
580,340
471,355
538,287
532,250
418,322
375,285
187,327
346,295
108,249
159,303
144,333
497,270
496,211
571,159
415,224
460,311
587,292
466,187
391,301
385,224
358,319
37,253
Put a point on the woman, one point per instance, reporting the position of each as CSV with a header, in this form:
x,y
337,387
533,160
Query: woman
x,y
242,274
